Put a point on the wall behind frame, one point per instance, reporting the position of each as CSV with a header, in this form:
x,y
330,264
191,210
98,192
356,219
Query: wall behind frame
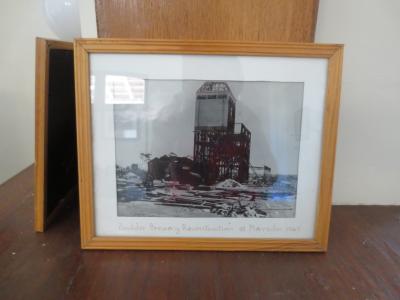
x,y
20,22
368,150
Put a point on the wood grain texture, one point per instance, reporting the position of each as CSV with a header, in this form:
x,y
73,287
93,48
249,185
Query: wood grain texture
x,y
251,20
82,49
43,46
40,131
363,261
331,116
84,138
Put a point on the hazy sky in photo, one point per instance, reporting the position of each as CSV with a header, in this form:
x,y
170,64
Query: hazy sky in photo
x,y
164,122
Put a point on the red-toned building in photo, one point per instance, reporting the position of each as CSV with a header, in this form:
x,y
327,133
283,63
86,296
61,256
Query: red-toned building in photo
x,y
221,146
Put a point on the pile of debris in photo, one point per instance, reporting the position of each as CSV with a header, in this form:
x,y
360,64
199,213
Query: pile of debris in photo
x,y
262,196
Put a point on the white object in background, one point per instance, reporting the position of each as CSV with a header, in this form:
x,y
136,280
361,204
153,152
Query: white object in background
x,y
63,18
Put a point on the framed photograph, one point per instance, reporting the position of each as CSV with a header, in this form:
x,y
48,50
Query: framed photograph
x,y
56,177
196,145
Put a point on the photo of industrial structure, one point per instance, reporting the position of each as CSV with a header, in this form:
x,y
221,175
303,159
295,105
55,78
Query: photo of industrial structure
x,y
214,175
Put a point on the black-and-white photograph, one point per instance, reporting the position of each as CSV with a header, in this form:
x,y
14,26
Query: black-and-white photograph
x,y
192,148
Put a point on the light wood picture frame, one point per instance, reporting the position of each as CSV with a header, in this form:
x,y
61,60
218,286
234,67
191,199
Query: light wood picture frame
x,y
55,137
159,52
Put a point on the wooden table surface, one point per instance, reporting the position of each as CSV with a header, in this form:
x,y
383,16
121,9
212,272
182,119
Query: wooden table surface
x,y
363,261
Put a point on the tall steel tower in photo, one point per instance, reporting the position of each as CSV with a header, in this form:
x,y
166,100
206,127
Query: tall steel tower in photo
x,y
221,146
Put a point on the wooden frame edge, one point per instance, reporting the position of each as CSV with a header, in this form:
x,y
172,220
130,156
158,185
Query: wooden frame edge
x,y
207,47
202,244
83,133
43,46
40,132
331,118
332,52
